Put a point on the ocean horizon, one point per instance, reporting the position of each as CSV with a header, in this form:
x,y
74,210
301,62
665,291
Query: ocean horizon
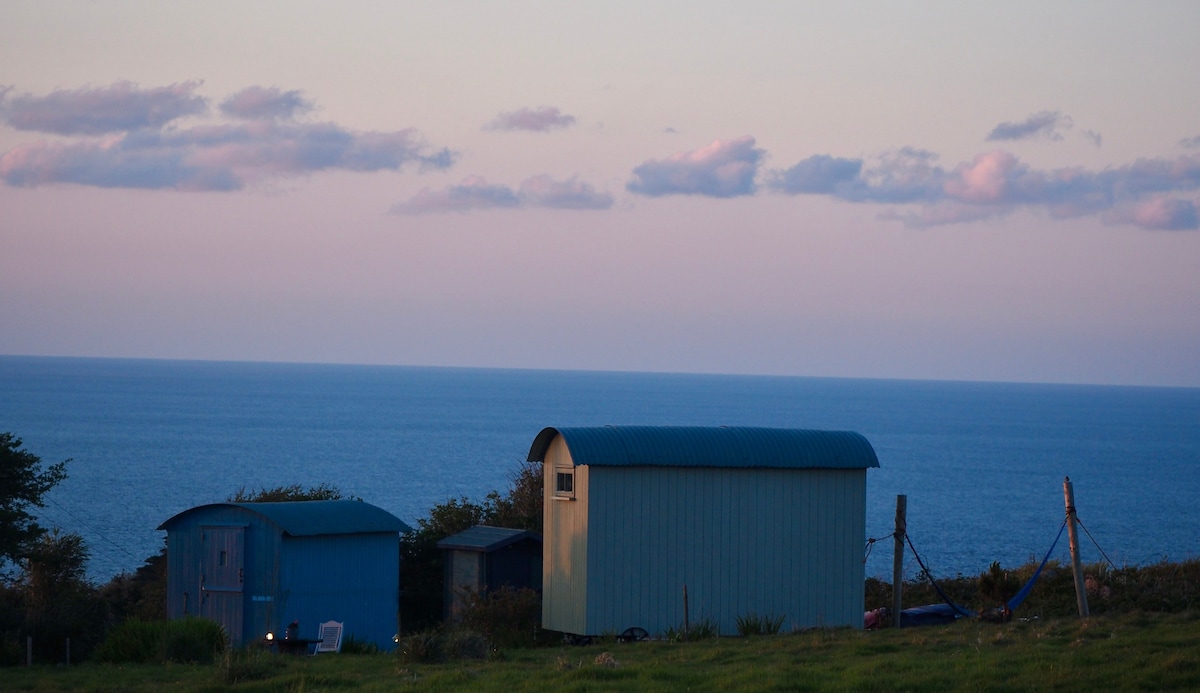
x,y
981,463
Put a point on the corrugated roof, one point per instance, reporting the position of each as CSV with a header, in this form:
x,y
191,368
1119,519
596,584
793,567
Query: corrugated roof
x,y
486,539
312,518
688,446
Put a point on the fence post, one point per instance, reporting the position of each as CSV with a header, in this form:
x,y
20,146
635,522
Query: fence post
x,y
1073,536
898,556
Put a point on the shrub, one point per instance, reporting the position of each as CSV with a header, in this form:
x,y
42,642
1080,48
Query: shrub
x,y
509,617
431,647
183,640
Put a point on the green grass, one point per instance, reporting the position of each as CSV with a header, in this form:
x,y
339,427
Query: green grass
x,y
1133,651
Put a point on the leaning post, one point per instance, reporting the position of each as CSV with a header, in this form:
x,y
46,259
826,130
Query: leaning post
x,y
898,556
1073,536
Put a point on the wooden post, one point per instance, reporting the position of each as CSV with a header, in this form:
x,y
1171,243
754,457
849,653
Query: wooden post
x,y
29,650
898,556
1073,536
68,652
687,628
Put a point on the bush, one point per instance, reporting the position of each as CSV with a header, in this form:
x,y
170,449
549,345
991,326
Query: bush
x,y
509,617
183,640
431,647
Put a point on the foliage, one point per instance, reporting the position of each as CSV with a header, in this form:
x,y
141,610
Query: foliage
x,y
521,507
509,617
23,483
186,640
295,492
759,624
57,599
422,565
443,644
353,645
998,585
142,594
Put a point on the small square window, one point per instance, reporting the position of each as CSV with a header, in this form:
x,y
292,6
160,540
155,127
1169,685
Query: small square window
x,y
564,482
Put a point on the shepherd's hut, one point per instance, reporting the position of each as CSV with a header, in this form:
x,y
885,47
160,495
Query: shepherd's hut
x,y
483,559
742,521
257,567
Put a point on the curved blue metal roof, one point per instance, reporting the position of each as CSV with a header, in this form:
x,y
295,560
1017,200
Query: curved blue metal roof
x,y
694,446
313,518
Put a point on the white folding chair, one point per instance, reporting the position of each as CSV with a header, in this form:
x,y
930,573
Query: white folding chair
x,y
331,637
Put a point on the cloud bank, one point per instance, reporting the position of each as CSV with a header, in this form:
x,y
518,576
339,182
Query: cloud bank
x,y
133,147
996,183
120,107
542,119
475,193
722,169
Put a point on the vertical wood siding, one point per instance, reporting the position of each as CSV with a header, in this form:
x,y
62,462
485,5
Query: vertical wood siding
x,y
564,547
769,541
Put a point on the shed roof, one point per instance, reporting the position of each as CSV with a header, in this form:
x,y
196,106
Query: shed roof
x,y
313,518
695,446
486,539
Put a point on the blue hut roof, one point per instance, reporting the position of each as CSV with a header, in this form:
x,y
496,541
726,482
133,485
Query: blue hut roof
x,y
694,446
313,518
487,539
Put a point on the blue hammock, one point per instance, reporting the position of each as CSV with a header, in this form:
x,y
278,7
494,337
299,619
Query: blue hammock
x,y
1020,596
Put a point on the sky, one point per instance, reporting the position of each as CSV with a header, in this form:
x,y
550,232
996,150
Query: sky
x,y
935,190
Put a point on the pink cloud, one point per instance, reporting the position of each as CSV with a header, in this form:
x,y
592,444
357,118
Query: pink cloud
x,y
721,169
543,119
1157,213
984,180
265,102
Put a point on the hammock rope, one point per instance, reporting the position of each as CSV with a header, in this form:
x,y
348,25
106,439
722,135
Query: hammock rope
x,y
929,575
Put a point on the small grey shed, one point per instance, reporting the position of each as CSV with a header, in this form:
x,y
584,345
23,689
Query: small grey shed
x,y
483,558
256,567
751,520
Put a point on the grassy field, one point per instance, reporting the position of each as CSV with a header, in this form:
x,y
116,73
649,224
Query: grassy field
x,y
1116,652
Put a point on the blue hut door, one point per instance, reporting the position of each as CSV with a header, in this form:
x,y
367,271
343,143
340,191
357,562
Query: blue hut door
x,y
221,578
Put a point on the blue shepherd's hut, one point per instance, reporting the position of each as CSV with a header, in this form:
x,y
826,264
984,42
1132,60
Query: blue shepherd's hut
x,y
257,567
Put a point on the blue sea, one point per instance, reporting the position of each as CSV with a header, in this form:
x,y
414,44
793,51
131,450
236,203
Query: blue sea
x,y
981,464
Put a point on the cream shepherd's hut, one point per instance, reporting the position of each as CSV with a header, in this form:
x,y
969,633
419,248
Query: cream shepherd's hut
x,y
751,520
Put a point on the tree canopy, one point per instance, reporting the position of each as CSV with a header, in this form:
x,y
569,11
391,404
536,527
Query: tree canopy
x,y
23,483
295,492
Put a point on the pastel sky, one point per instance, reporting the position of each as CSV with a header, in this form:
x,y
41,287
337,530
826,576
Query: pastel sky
x,y
946,190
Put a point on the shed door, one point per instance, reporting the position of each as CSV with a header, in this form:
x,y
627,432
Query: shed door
x,y
221,576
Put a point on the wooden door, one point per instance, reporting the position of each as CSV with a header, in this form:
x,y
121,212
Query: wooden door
x,y
221,579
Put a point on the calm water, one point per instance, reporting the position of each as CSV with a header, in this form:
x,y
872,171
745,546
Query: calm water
x,y
981,463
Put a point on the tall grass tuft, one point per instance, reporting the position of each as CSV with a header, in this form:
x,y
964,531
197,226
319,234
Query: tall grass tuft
x,y
704,629
759,624
250,664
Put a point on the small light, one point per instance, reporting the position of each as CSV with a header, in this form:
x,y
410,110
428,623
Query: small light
x,y
270,635
396,638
